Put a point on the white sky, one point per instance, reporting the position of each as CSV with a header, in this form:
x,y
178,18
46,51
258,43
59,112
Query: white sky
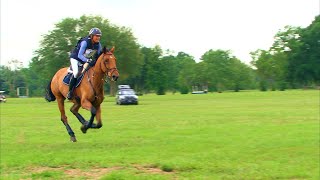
x,y
190,26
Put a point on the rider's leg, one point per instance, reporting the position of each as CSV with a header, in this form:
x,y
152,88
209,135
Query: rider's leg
x,y
73,80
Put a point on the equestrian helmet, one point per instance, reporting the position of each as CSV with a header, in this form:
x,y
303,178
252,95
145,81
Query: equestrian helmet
x,y
95,31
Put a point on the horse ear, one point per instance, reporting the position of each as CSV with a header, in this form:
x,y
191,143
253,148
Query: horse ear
x,y
104,50
112,49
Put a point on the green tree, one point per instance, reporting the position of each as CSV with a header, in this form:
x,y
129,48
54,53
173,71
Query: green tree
x,y
262,60
304,59
294,57
150,76
10,79
286,43
242,76
225,71
201,75
185,72
6,76
272,68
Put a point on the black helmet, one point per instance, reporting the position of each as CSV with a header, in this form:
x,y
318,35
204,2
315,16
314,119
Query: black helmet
x,y
95,31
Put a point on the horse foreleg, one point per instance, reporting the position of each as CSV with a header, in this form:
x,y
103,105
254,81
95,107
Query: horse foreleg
x,y
98,118
64,119
75,110
87,105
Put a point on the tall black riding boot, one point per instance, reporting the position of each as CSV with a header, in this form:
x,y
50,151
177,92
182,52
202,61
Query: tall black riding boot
x,y
72,84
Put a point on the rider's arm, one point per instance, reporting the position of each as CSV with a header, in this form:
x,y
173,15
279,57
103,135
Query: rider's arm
x,y
83,47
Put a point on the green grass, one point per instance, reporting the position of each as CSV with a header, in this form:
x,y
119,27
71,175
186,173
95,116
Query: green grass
x,y
244,135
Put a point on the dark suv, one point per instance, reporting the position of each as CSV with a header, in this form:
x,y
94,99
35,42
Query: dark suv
x,y
126,95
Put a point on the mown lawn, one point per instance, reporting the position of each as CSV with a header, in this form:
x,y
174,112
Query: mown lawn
x,y
244,135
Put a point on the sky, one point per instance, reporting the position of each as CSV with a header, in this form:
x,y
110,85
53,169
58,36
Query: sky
x,y
190,26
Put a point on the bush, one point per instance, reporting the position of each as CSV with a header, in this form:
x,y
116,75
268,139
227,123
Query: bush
x,y
161,91
184,90
263,86
167,168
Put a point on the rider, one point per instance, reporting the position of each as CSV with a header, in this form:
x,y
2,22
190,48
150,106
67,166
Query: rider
x,y
81,55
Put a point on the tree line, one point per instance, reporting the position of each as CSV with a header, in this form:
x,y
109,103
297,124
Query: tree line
x,y
293,61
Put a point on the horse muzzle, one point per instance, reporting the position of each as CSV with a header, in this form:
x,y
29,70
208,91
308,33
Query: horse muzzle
x,y
114,78
113,74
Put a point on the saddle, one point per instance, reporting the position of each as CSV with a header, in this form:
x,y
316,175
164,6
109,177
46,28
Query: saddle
x,y
68,76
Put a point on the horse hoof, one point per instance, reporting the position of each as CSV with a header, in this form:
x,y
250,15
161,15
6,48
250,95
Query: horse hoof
x,y
83,129
73,139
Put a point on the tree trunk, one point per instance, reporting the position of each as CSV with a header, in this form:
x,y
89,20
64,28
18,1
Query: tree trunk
x,y
113,88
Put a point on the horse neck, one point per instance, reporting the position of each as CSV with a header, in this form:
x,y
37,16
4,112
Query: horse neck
x,y
98,76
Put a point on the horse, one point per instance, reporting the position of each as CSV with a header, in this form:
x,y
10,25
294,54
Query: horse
x,y
89,94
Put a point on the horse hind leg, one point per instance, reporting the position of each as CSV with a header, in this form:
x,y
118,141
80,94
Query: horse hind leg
x,y
64,120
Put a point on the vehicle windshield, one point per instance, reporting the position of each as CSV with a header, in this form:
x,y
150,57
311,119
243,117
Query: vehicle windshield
x,y
127,92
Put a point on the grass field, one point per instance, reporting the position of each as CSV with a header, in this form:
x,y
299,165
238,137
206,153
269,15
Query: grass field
x,y
244,135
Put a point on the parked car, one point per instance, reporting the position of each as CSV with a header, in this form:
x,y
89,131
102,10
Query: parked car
x,y
2,97
126,95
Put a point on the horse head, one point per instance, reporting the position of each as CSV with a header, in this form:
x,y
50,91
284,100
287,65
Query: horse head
x,y
108,64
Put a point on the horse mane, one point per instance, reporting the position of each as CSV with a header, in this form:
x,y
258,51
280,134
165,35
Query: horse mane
x,y
104,49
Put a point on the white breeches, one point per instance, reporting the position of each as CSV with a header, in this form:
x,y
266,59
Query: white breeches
x,y
75,67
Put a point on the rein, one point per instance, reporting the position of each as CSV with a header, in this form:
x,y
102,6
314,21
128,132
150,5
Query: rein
x,y
94,92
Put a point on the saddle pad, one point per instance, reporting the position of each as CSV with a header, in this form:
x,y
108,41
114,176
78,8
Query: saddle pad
x,y
67,77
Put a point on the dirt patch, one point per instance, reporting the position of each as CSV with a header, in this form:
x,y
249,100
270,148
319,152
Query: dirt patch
x,y
93,173
96,172
151,169
43,169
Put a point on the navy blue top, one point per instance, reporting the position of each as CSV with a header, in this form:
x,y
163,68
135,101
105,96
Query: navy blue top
x,y
83,48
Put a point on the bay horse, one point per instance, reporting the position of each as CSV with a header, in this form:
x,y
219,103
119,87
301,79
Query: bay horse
x,y
88,95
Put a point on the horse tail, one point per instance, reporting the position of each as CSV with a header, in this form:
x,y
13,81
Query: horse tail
x,y
49,95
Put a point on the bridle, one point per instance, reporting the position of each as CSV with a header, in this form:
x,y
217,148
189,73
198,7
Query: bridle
x,y
109,70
